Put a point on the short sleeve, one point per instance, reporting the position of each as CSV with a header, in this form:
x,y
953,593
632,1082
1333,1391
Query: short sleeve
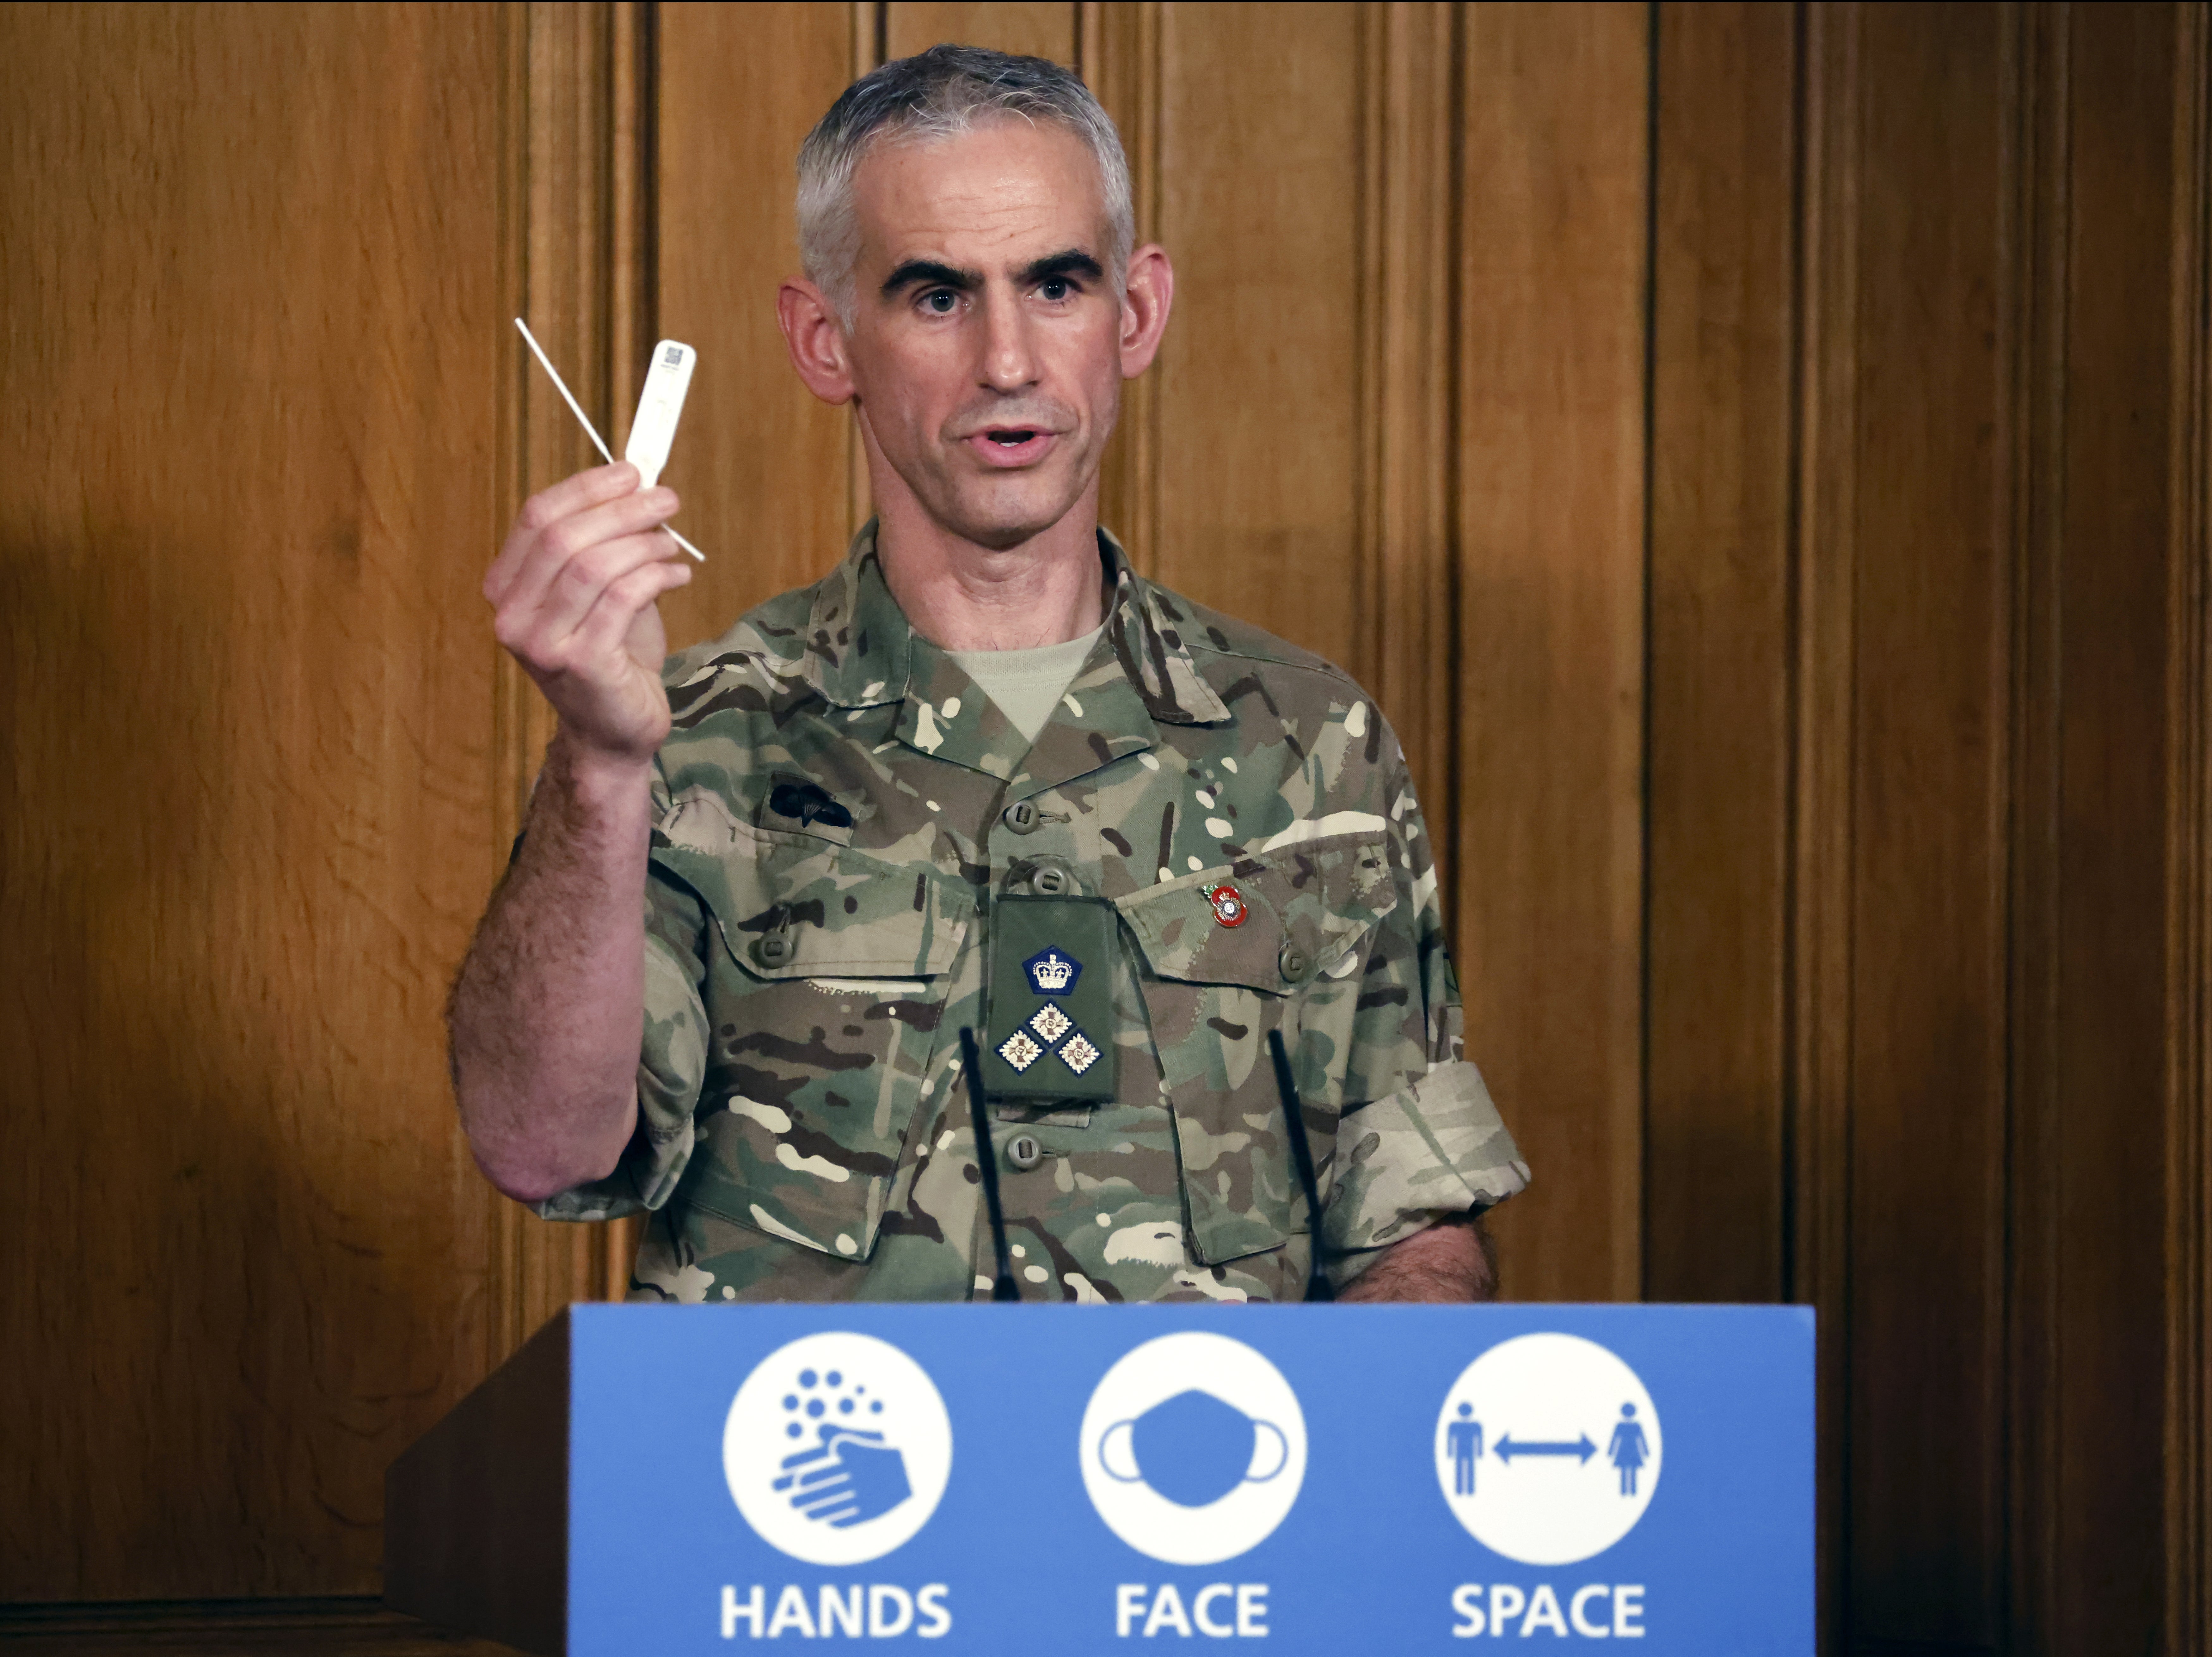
x,y
1428,1142
672,1060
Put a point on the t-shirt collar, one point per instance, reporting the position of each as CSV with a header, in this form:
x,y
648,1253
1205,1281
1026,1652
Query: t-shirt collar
x,y
861,652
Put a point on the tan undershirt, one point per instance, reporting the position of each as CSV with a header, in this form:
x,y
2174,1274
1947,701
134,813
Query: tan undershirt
x,y
1025,683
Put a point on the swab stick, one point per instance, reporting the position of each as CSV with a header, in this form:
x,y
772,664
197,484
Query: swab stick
x,y
546,363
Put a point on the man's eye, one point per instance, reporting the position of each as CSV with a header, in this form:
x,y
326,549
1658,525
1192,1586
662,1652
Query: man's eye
x,y
939,302
1054,289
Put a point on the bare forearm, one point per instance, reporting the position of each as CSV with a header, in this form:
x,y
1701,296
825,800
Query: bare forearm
x,y
1450,1261
548,1012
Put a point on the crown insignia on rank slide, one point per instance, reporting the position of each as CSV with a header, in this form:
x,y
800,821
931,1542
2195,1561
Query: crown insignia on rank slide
x,y
1052,973
1228,903
1049,1029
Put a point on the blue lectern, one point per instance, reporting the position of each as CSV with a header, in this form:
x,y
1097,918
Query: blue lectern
x,y
1325,1479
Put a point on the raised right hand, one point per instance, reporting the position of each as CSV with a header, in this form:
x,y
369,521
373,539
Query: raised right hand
x,y
573,595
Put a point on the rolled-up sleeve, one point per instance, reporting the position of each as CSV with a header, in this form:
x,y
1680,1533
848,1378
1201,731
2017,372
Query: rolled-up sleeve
x,y
1419,1139
671,1065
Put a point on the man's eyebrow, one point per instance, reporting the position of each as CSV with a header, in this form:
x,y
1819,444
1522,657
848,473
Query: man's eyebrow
x,y
930,273
1074,262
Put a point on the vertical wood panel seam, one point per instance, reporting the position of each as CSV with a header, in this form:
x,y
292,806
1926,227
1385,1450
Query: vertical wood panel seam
x,y
2188,1497
871,34
508,487
631,287
1651,322
648,170
1793,526
1370,78
1451,528
2037,203
1822,784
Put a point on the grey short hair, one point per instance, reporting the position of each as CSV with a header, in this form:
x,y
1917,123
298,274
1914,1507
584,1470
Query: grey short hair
x,y
935,94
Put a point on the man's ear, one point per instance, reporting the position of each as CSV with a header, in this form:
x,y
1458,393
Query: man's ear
x,y
817,345
1146,302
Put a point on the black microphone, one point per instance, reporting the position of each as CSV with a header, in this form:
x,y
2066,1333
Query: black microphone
x,y
987,1161
1317,1284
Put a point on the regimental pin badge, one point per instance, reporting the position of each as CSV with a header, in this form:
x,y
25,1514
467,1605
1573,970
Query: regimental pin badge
x,y
1052,973
1228,904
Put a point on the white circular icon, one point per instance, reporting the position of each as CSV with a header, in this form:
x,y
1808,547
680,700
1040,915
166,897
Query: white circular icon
x,y
1194,1448
1548,1449
837,1448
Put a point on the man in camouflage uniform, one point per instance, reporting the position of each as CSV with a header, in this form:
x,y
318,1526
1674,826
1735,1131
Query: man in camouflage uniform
x,y
851,849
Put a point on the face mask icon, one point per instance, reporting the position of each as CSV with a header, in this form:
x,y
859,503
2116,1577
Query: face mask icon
x,y
1194,1449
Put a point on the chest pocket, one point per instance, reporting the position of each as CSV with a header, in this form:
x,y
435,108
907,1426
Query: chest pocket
x,y
1302,919
825,990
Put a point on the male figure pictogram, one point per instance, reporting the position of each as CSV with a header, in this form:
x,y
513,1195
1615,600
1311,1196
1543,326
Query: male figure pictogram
x,y
1464,1438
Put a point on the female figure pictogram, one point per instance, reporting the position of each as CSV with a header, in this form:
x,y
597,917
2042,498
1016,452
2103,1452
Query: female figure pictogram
x,y
1628,1449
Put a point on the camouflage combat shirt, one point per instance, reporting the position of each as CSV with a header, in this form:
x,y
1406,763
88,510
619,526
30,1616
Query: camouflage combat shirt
x,y
839,811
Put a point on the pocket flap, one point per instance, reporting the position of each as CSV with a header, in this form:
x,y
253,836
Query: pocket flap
x,y
798,906
1304,905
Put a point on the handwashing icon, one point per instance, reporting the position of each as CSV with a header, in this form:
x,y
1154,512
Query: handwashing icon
x,y
1194,1449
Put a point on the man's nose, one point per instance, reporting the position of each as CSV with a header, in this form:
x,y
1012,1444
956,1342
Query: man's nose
x,y
1009,359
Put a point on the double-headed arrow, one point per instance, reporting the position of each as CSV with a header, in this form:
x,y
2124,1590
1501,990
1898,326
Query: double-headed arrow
x,y
1507,1448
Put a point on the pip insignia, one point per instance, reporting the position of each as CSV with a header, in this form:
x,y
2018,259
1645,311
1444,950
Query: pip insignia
x,y
1228,904
1019,1051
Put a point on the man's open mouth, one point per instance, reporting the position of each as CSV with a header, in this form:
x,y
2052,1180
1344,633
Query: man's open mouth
x,y
1013,447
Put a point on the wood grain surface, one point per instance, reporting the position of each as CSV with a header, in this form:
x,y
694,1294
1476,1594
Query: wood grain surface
x,y
252,1628
2089,1370
1989,224
1546,849
761,466
1036,28
1407,650
1716,1178
250,272
1259,175
1931,534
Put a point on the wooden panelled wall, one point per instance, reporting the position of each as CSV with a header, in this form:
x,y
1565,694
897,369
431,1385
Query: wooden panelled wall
x,y
1757,454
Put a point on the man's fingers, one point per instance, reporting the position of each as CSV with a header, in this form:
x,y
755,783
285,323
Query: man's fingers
x,y
572,494
608,622
543,634
550,507
553,548
574,552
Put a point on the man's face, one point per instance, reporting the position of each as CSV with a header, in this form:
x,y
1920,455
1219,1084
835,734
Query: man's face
x,y
985,346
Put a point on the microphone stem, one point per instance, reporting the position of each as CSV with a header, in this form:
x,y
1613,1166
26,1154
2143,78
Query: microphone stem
x,y
986,1163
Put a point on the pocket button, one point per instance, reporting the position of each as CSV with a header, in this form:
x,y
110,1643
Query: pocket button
x,y
1292,964
772,950
1021,816
1024,1152
1052,882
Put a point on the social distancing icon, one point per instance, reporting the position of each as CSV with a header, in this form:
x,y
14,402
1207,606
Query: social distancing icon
x,y
1548,1450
